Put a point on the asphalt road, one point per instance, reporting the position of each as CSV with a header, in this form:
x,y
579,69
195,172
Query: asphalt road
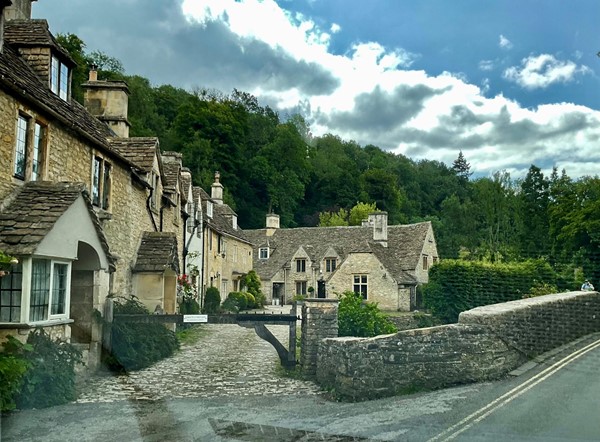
x,y
554,400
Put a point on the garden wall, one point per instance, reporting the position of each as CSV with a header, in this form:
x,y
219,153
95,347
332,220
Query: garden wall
x,y
485,344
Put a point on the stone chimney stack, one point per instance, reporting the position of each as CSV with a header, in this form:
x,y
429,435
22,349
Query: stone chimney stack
x,y
108,101
216,190
379,221
3,5
272,223
17,9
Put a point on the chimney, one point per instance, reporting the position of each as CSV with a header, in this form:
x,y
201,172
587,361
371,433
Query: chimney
x,y
3,4
108,101
17,9
379,221
272,223
216,190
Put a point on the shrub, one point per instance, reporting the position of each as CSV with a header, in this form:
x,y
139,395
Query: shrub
x,y
252,283
189,306
139,345
212,300
455,286
362,319
49,378
250,300
237,301
13,367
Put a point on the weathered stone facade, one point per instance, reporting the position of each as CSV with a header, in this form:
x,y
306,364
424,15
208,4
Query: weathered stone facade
x,y
319,321
487,343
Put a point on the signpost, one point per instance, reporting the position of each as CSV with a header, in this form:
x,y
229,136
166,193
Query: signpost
x,y
195,318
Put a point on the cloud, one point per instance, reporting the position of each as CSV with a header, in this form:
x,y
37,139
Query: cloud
x,y
335,28
543,70
504,42
367,92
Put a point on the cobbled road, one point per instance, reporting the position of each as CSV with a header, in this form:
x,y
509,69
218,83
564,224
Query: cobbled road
x,y
228,360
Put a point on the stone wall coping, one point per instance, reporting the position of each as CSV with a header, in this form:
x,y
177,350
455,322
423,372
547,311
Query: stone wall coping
x,y
521,304
322,300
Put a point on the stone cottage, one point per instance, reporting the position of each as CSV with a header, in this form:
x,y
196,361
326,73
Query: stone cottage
x,y
383,263
82,205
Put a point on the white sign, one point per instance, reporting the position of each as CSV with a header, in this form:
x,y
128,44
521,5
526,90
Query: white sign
x,y
195,318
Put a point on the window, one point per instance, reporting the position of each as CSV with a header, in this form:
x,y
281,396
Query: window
x,y
10,295
29,149
301,265
155,192
360,285
425,263
224,288
234,222
330,264
209,209
59,78
235,253
49,289
263,253
301,287
101,180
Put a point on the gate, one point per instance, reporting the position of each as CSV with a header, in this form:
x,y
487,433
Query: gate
x,y
258,321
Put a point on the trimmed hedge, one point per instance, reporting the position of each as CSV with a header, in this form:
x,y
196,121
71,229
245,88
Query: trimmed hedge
x,y
456,286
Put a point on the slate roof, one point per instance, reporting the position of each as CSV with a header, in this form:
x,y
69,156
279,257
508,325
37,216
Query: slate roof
x,y
140,151
221,222
157,252
36,207
186,182
17,76
400,258
34,33
171,167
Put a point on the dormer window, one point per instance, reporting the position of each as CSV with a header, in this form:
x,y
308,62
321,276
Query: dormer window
x,y
59,78
209,209
234,222
263,253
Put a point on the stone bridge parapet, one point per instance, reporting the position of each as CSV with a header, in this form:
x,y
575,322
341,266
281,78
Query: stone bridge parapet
x,y
486,343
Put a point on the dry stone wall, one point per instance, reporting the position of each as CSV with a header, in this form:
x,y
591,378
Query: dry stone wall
x,y
487,343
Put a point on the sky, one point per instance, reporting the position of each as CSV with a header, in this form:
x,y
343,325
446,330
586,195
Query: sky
x,y
509,82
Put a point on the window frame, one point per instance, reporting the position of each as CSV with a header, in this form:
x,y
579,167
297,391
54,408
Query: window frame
x,y
12,293
301,288
300,265
59,78
101,194
330,265
260,253
425,260
361,286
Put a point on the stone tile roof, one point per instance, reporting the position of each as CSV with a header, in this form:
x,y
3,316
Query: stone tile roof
x,y
186,182
401,257
171,168
157,253
139,150
34,33
221,222
34,210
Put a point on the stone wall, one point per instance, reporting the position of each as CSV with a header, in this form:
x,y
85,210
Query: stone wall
x,y
487,343
319,321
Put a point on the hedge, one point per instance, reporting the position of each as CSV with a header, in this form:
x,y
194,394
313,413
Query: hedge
x,y
456,286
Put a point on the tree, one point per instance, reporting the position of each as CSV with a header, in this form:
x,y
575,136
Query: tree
x,y
461,167
534,199
360,212
333,219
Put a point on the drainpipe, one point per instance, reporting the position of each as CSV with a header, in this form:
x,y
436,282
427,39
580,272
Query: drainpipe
x,y
184,217
150,209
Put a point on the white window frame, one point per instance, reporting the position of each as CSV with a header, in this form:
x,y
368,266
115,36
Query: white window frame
x,y
263,253
59,78
360,285
209,209
101,183
26,292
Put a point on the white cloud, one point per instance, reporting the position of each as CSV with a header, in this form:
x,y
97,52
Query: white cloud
x,y
504,42
486,65
335,28
543,70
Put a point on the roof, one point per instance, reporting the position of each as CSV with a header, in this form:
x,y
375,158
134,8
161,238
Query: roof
x,y
140,151
186,182
221,222
36,207
171,168
34,33
157,253
400,257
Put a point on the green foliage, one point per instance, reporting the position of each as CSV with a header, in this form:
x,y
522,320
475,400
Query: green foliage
x,y
360,212
362,319
138,345
212,300
235,302
13,367
44,372
253,285
333,219
456,286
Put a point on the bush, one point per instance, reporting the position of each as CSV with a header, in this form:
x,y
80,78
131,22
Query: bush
x,y
362,319
455,286
13,367
252,284
212,300
237,301
139,345
250,300
189,306
39,374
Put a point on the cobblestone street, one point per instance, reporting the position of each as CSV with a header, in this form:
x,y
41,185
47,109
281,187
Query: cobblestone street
x,y
227,360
